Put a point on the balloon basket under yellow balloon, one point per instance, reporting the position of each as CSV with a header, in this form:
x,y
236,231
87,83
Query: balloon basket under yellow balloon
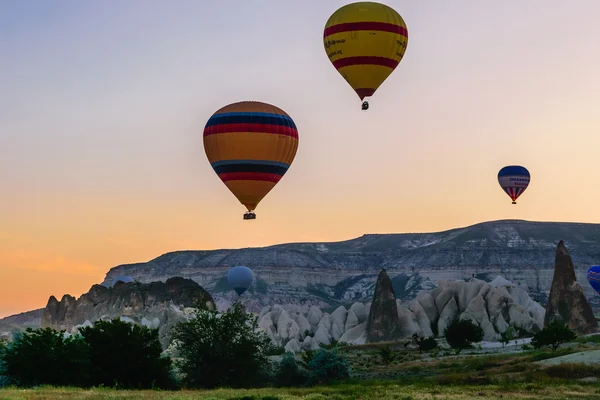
x,y
250,215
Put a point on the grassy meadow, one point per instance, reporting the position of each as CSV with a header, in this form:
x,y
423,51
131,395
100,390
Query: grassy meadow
x,y
357,391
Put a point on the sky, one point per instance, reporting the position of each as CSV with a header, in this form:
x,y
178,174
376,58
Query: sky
x,y
103,105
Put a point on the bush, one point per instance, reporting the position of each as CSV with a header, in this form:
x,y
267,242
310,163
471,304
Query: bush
x,y
424,344
221,350
126,355
386,354
326,366
461,334
290,372
46,357
555,334
507,336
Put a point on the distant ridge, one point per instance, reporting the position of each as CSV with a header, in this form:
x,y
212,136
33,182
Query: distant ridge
x,y
333,272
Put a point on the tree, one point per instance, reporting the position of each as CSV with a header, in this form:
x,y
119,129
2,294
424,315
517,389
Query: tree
x,y
127,355
291,372
553,335
424,344
507,336
46,357
386,354
221,350
461,334
326,366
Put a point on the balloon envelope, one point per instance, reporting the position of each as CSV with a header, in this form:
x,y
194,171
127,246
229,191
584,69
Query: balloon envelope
x,y
593,277
365,42
123,278
514,179
240,278
250,146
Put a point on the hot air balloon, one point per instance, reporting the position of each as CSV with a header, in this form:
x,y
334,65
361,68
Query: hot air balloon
x,y
514,179
250,145
593,277
365,42
240,278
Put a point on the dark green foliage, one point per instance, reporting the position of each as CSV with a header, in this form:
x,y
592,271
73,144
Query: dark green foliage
x,y
46,357
425,344
126,355
221,350
291,372
521,333
326,366
555,334
507,336
272,350
462,333
386,354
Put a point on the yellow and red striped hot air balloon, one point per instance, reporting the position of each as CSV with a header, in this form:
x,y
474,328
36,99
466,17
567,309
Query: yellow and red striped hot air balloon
x,y
250,145
365,42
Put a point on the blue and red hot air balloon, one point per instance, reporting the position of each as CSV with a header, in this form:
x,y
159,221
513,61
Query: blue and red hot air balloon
x,y
514,179
593,277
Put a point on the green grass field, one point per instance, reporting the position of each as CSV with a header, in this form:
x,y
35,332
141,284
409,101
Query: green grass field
x,y
365,391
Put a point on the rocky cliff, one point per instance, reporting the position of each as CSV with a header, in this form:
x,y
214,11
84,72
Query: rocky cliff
x,y
18,322
340,273
156,305
567,302
494,306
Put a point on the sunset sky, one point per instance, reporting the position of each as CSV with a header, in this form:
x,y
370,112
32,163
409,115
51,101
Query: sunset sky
x,y
103,104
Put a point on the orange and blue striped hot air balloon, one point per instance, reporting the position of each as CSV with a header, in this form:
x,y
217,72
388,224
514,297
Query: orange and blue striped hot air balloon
x,y
365,42
250,145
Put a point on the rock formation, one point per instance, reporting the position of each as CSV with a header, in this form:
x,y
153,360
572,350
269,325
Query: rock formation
x,y
156,305
383,323
567,302
494,306
331,274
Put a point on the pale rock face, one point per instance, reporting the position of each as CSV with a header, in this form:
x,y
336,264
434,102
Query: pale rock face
x,y
303,325
351,320
314,316
356,335
535,309
338,322
322,335
493,307
466,293
422,319
427,302
310,344
359,310
448,314
287,328
293,346
521,318
326,322
408,321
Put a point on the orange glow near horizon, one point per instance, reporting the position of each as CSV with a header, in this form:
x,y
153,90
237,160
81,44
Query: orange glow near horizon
x,y
101,155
